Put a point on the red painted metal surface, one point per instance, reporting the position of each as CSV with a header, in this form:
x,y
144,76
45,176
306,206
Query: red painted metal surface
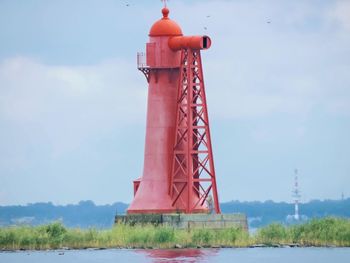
x,y
193,173
178,172
191,42
165,26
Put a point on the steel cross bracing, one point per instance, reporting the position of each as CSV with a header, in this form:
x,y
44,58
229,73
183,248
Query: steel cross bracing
x,y
193,175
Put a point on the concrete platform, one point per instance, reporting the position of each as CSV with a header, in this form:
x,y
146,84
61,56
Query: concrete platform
x,y
186,221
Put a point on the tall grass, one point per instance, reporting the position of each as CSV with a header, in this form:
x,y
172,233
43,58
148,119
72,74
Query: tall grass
x,y
317,232
55,236
321,232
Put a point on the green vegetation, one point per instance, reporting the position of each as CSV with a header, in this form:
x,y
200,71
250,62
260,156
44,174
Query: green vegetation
x,y
318,232
54,236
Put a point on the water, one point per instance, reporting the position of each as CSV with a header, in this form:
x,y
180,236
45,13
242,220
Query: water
x,y
240,255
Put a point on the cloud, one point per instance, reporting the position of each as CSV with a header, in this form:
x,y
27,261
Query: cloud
x,y
340,14
69,104
296,64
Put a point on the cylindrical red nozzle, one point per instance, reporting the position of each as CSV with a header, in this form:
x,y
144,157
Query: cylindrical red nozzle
x,y
193,42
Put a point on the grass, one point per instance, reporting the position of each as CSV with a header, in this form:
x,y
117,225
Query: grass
x,y
318,232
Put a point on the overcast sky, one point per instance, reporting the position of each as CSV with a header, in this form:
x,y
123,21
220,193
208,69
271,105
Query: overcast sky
x,y
73,105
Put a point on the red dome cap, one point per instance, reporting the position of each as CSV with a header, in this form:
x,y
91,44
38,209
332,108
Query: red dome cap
x,y
165,26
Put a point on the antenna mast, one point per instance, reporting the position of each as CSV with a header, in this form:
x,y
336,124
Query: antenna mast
x,y
296,195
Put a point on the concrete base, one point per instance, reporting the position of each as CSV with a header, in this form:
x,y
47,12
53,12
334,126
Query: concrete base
x,y
186,221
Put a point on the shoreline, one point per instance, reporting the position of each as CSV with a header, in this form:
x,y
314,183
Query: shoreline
x,y
326,232
171,248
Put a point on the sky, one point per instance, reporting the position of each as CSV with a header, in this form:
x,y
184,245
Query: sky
x,y
73,104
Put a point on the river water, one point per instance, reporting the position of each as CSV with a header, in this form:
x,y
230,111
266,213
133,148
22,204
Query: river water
x,y
239,255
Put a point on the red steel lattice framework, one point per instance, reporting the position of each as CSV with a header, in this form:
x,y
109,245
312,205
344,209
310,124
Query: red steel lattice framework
x,y
193,174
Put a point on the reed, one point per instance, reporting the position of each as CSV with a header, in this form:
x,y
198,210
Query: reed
x,y
317,232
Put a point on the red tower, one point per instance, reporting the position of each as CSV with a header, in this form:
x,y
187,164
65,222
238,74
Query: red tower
x,y
178,174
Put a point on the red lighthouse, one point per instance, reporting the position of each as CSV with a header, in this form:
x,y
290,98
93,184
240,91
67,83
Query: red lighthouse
x,y
178,173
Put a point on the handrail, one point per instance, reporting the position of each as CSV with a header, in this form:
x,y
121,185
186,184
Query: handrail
x,y
141,60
